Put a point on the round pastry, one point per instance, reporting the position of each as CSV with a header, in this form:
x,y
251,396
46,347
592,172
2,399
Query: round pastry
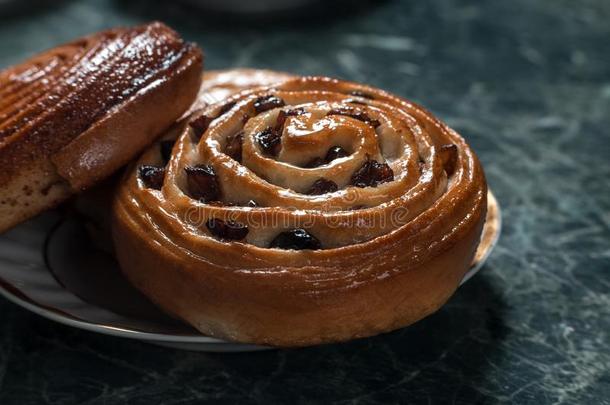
x,y
73,115
311,211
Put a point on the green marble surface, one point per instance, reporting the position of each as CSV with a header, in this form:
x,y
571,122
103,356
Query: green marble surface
x,y
526,82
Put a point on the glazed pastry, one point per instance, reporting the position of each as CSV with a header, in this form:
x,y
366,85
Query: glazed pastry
x,y
307,212
73,115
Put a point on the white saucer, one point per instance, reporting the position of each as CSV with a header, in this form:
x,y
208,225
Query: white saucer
x,y
50,267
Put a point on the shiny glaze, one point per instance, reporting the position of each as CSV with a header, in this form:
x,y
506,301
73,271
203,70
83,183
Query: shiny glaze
x,y
390,254
279,185
52,98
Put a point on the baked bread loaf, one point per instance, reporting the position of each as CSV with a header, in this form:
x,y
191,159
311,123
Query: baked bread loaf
x,y
311,211
73,115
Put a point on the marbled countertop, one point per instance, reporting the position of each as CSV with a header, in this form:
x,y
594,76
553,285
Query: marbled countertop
x,y
527,83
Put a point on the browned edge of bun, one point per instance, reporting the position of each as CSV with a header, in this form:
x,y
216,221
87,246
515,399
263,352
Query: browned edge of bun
x,y
42,167
266,294
118,137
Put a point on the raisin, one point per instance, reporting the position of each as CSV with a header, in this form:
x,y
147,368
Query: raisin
x,y
355,114
152,176
202,183
335,152
225,108
297,239
293,112
200,125
166,150
323,186
371,174
270,141
234,146
279,123
421,164
359,93
267,103
227,230
448,154
282,115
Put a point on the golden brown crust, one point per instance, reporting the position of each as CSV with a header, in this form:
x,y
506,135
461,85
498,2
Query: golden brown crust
x,y
391,254
76,113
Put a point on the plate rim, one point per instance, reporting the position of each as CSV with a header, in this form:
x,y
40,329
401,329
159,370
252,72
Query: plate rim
x,y
70,320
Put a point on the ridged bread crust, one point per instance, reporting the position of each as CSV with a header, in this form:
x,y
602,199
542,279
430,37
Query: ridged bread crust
x,y
75,114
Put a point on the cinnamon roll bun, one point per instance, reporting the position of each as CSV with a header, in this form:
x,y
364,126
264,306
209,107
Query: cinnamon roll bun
x,y
73,115
309,211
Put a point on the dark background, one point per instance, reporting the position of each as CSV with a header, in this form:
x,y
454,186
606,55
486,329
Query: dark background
x,y
526,82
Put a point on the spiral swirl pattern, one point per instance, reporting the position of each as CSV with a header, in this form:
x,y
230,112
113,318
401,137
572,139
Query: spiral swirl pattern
x,y
317,186
318,114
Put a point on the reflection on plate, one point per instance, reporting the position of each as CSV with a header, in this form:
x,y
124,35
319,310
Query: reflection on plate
x,y
50,267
